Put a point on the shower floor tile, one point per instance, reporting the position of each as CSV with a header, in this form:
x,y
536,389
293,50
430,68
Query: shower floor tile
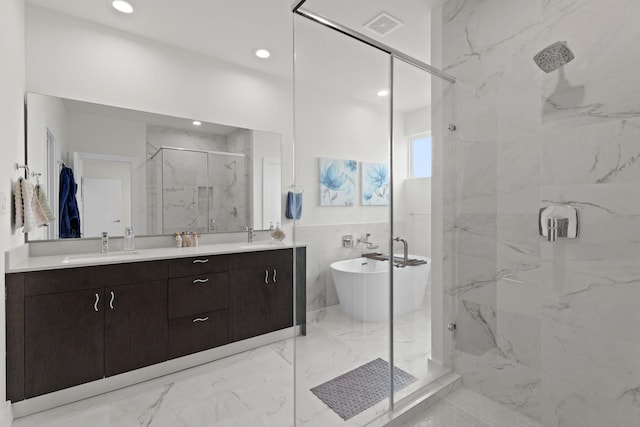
x,y
466,408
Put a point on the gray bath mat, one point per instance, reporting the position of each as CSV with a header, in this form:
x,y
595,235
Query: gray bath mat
x,y
360,389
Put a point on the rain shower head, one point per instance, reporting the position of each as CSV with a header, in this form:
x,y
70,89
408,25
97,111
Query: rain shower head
x,y
553,57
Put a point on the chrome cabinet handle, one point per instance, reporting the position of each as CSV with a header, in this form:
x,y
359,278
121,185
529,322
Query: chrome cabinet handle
x,y
200,261
266,277
200,280
275,273
113,296
200,319
95,304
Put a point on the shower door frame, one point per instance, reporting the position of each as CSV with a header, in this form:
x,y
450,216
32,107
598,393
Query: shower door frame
x,y
443,352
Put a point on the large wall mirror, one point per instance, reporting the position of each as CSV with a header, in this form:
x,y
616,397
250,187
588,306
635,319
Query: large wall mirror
x,y
157,174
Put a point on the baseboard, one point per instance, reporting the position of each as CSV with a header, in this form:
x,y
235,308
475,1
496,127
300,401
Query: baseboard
x,y
6,415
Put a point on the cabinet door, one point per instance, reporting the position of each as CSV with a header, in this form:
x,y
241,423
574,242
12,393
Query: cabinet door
x,y
135,326
64,340
261,300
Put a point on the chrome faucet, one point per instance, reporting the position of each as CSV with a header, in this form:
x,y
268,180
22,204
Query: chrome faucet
x,y
367,243
250,234
105,242
406,250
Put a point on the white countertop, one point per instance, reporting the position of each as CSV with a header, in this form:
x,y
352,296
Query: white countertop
x,y
53,262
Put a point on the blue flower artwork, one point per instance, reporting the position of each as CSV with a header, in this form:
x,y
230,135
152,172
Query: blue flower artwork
x,y
375,184
337,182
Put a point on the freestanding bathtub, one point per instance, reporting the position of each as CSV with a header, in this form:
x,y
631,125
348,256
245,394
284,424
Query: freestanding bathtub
x,y
363,287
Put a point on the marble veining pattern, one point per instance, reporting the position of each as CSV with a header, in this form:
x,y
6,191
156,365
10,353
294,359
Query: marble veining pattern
x,y
197,191
540,323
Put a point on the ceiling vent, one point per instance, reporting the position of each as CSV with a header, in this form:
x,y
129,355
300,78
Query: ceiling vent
x,y
383,24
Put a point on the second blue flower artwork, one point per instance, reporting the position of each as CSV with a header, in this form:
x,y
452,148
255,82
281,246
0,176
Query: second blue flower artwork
x,y
337,182
375,184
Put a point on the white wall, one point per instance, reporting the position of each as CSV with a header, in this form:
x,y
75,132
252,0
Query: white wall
x,y
331,126
417,191
263,145
105,135
46,114
417,121
12,85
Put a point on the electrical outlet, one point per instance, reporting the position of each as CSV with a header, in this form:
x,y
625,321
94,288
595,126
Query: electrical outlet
x,y
3,203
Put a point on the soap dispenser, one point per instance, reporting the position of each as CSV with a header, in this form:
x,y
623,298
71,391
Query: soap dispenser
x,y
128,239
277,233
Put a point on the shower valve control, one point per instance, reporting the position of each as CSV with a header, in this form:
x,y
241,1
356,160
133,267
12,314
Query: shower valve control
x,y
347,241
558,221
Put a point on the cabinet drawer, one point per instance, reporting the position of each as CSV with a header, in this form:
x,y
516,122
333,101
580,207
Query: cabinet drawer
x,y
137,272
260,259
185,267
198,294
63,280
192,334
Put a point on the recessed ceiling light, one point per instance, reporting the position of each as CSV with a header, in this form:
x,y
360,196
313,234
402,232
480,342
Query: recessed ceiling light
x,y
383,92
122,6
196,123
262,53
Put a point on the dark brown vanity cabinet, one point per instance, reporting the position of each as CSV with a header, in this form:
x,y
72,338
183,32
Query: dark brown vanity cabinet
x,y
261,293
70,326
76,330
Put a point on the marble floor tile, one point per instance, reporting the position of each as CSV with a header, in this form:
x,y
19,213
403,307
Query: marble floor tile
x,y
256,387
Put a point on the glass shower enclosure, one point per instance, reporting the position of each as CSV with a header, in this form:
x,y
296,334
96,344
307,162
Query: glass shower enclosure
x,y
198,190
376,271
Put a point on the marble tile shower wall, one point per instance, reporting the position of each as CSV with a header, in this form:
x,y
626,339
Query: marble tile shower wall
x,y
550,329
186,195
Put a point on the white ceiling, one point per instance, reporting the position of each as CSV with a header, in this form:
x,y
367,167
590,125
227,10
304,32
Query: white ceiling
x,y
232,29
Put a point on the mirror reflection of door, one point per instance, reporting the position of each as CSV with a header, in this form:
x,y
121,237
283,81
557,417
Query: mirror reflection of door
x,y
102,197
105,194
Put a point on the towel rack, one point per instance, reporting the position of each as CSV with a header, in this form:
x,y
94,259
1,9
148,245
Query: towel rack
x,y
296,187
30,174
25,167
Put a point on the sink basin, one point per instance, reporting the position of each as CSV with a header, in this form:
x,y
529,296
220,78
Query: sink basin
x,y
261,245
113,256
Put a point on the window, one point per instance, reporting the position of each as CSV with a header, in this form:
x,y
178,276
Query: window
x,y
420,152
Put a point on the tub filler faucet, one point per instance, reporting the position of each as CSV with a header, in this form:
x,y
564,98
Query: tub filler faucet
x,y
406,250
367,243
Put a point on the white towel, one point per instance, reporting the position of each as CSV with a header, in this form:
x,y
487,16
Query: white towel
x,y
18,203
44,204
34,215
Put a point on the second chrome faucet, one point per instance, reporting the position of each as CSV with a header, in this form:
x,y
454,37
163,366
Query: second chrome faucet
x,y
250,234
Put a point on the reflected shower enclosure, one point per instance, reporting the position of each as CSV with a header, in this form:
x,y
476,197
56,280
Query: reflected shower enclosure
x,y
198,190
